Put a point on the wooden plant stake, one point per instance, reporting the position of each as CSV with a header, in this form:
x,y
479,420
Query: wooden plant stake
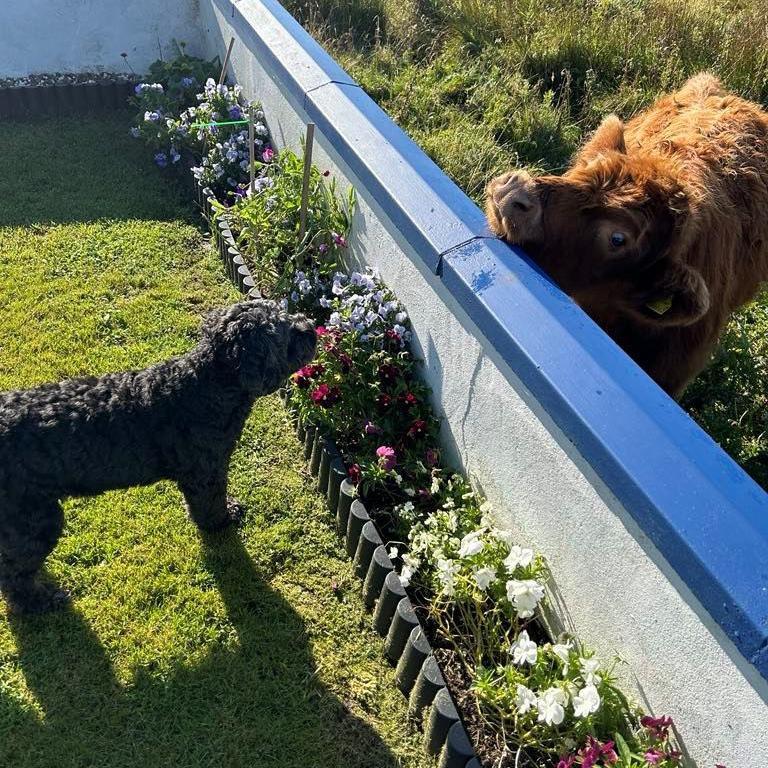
x,y
226,60
252,148
305,186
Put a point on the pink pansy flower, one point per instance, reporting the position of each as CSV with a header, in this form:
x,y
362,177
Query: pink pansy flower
x,y
268,154
325,395
387,457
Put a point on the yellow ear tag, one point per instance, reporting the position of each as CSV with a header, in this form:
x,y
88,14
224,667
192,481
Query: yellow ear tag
x,y
660,306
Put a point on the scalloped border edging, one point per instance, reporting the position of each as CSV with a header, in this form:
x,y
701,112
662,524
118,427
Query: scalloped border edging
x,y
234,263
18,102
417,673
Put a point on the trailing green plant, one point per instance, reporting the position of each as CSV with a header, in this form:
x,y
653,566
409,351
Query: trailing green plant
x,y
266,221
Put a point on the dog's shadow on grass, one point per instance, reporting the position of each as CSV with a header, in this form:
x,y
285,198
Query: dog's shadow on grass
x,y
258,706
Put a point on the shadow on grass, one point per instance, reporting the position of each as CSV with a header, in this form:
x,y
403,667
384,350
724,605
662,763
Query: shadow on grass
x,y
265,693
82,169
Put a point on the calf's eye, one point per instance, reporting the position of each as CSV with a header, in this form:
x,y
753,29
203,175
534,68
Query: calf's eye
x,y
618,239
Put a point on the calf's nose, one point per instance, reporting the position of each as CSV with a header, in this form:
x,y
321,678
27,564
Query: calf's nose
x,y
515,192
516,202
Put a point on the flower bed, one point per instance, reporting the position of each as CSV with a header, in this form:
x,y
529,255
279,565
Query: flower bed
x,y
476,593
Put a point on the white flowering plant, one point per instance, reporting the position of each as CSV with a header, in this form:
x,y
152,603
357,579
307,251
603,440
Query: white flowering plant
x,y
225,149
479,577
175,115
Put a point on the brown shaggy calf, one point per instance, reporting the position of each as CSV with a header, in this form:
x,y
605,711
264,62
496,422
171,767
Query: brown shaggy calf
x,y
659,229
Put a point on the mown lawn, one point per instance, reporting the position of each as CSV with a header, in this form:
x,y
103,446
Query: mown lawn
x,y
484,85
248,648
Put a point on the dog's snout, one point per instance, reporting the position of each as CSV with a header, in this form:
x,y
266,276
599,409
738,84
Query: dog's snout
x,y
303,342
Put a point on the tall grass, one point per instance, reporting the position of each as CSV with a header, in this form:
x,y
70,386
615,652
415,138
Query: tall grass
x,y
483,85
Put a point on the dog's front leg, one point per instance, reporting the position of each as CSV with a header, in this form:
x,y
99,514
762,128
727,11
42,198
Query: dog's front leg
x,y
207,502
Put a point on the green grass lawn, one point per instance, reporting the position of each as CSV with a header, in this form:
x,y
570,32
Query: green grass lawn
x,y
485,85
247,648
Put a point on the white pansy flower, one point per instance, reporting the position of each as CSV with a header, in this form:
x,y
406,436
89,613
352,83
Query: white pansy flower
x,y
518,556
446,574
471,544
551,706
503,535
586,701
563,652
525,699
393,553
589,670
405,575
484,577
524,650
524,596
435,485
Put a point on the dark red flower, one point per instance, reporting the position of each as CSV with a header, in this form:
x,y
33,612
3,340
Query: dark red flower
x,y
321,330
388,373
314,370
595,751
355,474
408,399
417,429
383,401
325,395
432,456
302,378
658,727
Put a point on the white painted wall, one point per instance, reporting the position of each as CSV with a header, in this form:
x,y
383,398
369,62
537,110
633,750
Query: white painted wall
x,y
89,35
610,584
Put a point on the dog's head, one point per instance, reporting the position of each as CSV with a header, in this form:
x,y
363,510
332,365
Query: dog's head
x,y
258,344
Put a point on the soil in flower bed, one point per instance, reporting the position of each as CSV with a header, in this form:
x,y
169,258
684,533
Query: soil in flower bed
x,y
246,648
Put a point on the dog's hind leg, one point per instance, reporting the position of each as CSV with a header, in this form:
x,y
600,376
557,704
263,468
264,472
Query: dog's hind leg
x,y
27,536
207,502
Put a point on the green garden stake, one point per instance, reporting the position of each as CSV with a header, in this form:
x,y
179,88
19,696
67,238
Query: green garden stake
x,y
252,148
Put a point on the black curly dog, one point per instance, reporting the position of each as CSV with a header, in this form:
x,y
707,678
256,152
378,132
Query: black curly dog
x,y
177,420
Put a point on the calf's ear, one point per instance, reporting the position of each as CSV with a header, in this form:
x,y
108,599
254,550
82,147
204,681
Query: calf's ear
x,y
671,293
609,137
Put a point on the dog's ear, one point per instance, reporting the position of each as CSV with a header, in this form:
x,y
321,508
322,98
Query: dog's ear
x,y
224,331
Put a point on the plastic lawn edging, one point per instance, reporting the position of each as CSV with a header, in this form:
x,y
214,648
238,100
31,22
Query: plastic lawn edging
x,y
702,512
62,99
417,673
